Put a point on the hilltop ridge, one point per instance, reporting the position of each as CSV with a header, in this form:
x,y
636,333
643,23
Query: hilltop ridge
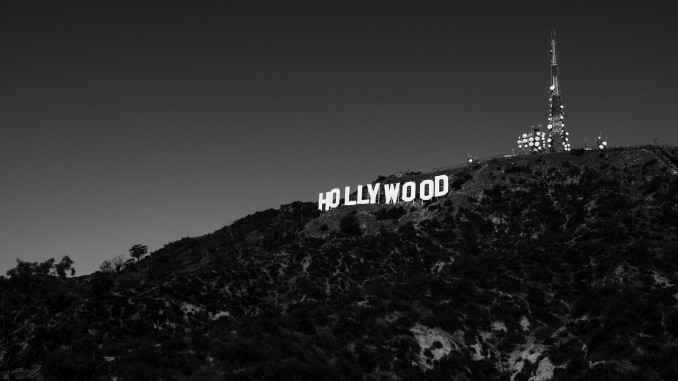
x,y
561,266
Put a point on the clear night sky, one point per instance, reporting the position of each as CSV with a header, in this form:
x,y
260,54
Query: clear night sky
x,y
145,122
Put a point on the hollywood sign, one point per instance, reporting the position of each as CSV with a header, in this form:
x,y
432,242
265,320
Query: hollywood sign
x,y
393,193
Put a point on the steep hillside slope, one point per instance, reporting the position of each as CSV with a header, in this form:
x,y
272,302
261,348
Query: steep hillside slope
x,y
560,266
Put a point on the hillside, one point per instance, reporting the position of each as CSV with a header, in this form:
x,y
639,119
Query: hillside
x,y
545,267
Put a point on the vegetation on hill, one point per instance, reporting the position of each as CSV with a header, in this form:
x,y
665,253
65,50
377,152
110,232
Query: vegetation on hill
x,y
560,266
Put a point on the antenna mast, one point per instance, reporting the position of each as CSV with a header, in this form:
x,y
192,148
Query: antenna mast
x,y
558,137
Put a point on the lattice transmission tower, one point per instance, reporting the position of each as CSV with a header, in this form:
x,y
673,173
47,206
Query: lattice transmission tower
x,y
558,139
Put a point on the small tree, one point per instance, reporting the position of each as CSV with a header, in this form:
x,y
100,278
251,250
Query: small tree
x,y
65,265
106,267
138,251
25,269
118,262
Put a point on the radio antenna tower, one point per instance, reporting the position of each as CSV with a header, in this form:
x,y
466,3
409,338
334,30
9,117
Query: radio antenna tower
x,y
558,137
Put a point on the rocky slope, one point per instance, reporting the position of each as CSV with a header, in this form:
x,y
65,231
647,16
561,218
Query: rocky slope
x,y
559,266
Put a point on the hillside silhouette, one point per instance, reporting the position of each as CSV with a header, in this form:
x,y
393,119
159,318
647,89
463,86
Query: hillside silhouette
x,y
543,267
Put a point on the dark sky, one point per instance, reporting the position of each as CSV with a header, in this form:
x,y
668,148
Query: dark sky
x,y
145,122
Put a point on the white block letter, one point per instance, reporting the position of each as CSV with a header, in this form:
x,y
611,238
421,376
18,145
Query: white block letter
x,y
392,191
334,200
322,201
347,196
360,196
331,200
426,190
373,190
443,182
409,191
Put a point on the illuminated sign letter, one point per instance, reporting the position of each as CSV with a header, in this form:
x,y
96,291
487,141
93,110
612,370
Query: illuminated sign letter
x,y
426,190
443,182
392,191
347,196
373,190
408,191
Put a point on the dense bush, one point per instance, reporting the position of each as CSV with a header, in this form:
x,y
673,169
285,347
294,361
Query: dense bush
x,y
350,225
390,213
63,364
513,168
